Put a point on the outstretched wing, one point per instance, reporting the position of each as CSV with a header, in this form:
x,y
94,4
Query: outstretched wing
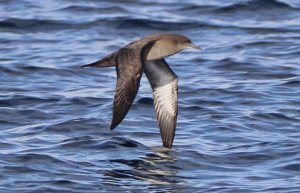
x,y
107,61
129,66
129,72
165,91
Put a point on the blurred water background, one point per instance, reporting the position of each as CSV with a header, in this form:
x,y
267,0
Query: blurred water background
x,y
239,100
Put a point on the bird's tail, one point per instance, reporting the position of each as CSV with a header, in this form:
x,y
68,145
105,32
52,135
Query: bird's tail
x,y
107,61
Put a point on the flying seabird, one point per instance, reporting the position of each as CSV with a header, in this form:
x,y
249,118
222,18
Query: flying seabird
x,y
147,55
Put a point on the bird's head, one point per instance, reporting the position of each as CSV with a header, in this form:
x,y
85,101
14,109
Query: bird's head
x,y
168,44
182,42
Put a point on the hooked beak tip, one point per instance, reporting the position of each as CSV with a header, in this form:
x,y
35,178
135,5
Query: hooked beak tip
x,y
196,47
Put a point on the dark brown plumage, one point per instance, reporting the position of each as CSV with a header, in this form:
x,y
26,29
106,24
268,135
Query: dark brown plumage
x,y
147,55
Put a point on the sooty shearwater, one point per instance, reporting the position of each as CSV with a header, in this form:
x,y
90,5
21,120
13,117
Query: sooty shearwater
x,y
147,55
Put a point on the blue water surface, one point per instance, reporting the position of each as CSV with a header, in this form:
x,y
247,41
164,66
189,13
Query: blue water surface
x,y
239,100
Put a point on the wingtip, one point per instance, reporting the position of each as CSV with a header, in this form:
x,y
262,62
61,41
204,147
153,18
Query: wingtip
x,y
112,126
86,66
167,144
167,138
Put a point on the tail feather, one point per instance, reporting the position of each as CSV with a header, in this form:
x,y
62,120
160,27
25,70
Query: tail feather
x,y
107,61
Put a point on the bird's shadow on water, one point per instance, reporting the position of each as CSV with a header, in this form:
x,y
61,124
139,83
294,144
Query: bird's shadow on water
x,y
157,168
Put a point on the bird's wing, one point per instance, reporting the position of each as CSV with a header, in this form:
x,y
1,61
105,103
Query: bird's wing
x,y
129,72
165,91
107,61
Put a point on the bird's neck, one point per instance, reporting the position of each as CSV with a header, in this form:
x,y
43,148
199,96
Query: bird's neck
x,y
161,50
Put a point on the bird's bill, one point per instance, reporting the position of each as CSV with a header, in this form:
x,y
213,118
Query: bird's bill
x,y
196,47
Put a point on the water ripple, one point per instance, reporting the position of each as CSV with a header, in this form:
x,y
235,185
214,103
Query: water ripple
x,y
239,108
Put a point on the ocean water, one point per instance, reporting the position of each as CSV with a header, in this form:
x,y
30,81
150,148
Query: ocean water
x,y
239,99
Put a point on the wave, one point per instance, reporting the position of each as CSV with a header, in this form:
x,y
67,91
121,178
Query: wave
x,y
292,83
91,143
229,64
16,100
33,24
275,116
37,25
134,23
89,9
255,5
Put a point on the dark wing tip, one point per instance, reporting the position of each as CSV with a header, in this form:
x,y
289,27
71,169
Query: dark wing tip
x,y
116,120
84,66
167,144
91,65
107,61
168,133
112,126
